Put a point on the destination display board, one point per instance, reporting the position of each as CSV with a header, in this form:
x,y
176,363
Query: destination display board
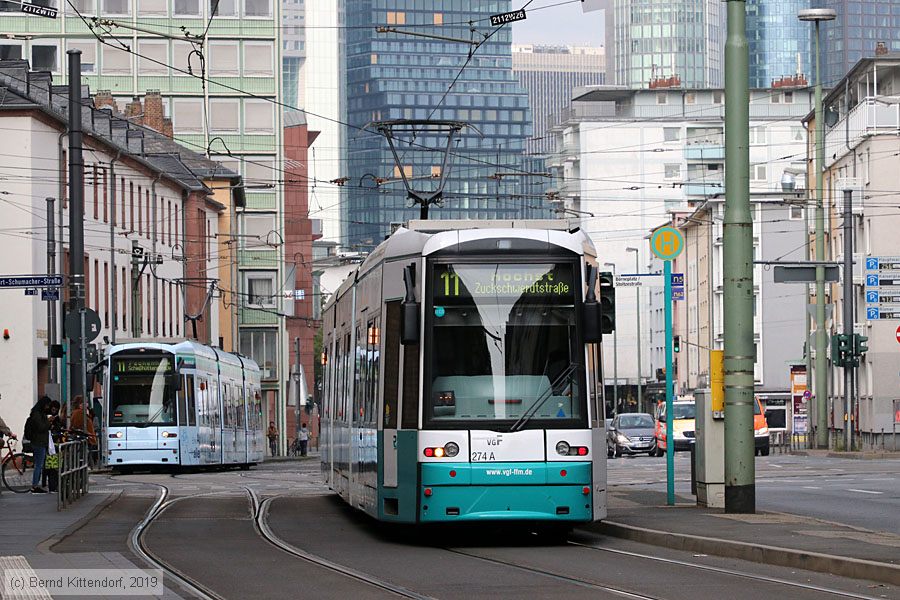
x,y
463,283
150,365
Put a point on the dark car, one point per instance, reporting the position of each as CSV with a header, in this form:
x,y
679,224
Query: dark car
x,y
631,433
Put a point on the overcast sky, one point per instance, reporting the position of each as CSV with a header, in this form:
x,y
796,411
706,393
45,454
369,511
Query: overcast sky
x,y
565,24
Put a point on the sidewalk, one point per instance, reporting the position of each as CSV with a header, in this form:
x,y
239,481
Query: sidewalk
x,y
30,526
771,538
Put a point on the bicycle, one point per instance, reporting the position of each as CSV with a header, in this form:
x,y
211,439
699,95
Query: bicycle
x,y
17,467
294,448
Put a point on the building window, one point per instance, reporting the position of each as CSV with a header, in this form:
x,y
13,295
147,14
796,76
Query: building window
x,y
116,60
758,173
223,58
795,212
153,7
438,18
88,55
396,18
718,97
187,8
255,229
116,7
789,97
154,57
184,60
373,59
662,97
187,115
85,7
10,51
44,58
673,171
223,115
757,135
259,116
257,8
223,8
261,345
259,173
775,98
690,98
671,134
258,59
260,288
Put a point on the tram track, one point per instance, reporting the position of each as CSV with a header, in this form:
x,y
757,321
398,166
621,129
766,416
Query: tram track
x,y
260,510
724,571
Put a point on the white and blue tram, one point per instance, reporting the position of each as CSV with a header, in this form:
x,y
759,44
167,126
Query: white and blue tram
x,y
181,403
462,376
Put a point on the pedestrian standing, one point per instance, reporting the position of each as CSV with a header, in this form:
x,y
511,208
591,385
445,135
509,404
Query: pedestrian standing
x,y
303,436
37,429
272,434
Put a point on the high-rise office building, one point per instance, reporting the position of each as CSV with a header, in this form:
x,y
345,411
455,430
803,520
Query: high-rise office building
x,y
856,33
293,51
779,42
396,76
550,73
671,41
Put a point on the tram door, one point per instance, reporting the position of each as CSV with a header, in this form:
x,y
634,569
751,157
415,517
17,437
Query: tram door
x,y
187,419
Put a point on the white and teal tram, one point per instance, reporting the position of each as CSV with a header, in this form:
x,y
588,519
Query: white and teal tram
x,y
462,376
181,403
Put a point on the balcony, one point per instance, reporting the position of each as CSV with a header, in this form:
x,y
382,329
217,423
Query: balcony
x,y
705,151
704,187
873,116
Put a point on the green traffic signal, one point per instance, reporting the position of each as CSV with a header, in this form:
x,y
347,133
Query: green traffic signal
x,y
607,302
840,349
676,343
860,344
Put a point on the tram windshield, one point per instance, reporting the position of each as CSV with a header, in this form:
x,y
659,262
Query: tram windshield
x,y
504,348
142,391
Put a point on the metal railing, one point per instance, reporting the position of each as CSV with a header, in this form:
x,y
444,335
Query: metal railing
x,y
74,470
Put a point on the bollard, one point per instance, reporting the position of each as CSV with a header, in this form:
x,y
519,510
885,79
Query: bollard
x,y
694,467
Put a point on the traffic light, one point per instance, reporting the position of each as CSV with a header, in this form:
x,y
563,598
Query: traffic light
x,y
607,302
860,344
840,350
676,344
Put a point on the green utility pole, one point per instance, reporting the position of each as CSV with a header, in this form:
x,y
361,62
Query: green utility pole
x,y
740,352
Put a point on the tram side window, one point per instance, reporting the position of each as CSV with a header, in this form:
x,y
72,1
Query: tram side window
x,y
190,400
373,361
391,363
242,408
182,405
410,418
345,395
228,418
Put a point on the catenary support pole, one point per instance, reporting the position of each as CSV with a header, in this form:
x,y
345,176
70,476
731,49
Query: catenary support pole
x,y
848,319
51,305
740,486
76,223
821,364
640,340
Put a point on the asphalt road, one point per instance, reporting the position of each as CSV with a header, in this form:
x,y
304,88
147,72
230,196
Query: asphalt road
x,y
208,533
861,493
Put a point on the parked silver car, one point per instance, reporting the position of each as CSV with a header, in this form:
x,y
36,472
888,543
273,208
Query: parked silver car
x,y
631,433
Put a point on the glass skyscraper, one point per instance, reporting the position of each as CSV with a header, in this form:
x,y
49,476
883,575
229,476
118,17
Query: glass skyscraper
x,y
860,26
779,42
396,76
652,40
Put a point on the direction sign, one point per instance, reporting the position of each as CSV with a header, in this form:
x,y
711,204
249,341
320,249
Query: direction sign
x,y
30,281
884,312
41,11
92,325
667,243
507,17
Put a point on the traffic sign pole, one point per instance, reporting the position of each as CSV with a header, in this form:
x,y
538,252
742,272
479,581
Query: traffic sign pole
x,y
670,443
76,226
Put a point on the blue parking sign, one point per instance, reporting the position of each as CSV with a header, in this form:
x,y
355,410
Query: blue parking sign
x,y
872,313
871,280
871,264
872,296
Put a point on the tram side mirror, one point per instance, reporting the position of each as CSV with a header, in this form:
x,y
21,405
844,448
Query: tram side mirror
x,y
590,317
409,325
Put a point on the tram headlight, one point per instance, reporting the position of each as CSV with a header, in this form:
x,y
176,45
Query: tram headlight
x,y
562,448
451,449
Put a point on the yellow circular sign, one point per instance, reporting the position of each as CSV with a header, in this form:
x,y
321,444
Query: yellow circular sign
x,y
666,243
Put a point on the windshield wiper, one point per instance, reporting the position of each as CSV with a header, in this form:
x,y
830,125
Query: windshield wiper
x,y
530,412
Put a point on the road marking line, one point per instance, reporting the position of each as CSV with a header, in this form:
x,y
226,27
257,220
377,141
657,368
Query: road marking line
x,y
811,487
863,491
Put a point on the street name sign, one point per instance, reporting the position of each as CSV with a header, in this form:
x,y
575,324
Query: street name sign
x,y
507,17
41,11
639,280
30,281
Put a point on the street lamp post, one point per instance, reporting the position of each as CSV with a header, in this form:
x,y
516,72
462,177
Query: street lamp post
x,y
615,358
817,15
637,269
